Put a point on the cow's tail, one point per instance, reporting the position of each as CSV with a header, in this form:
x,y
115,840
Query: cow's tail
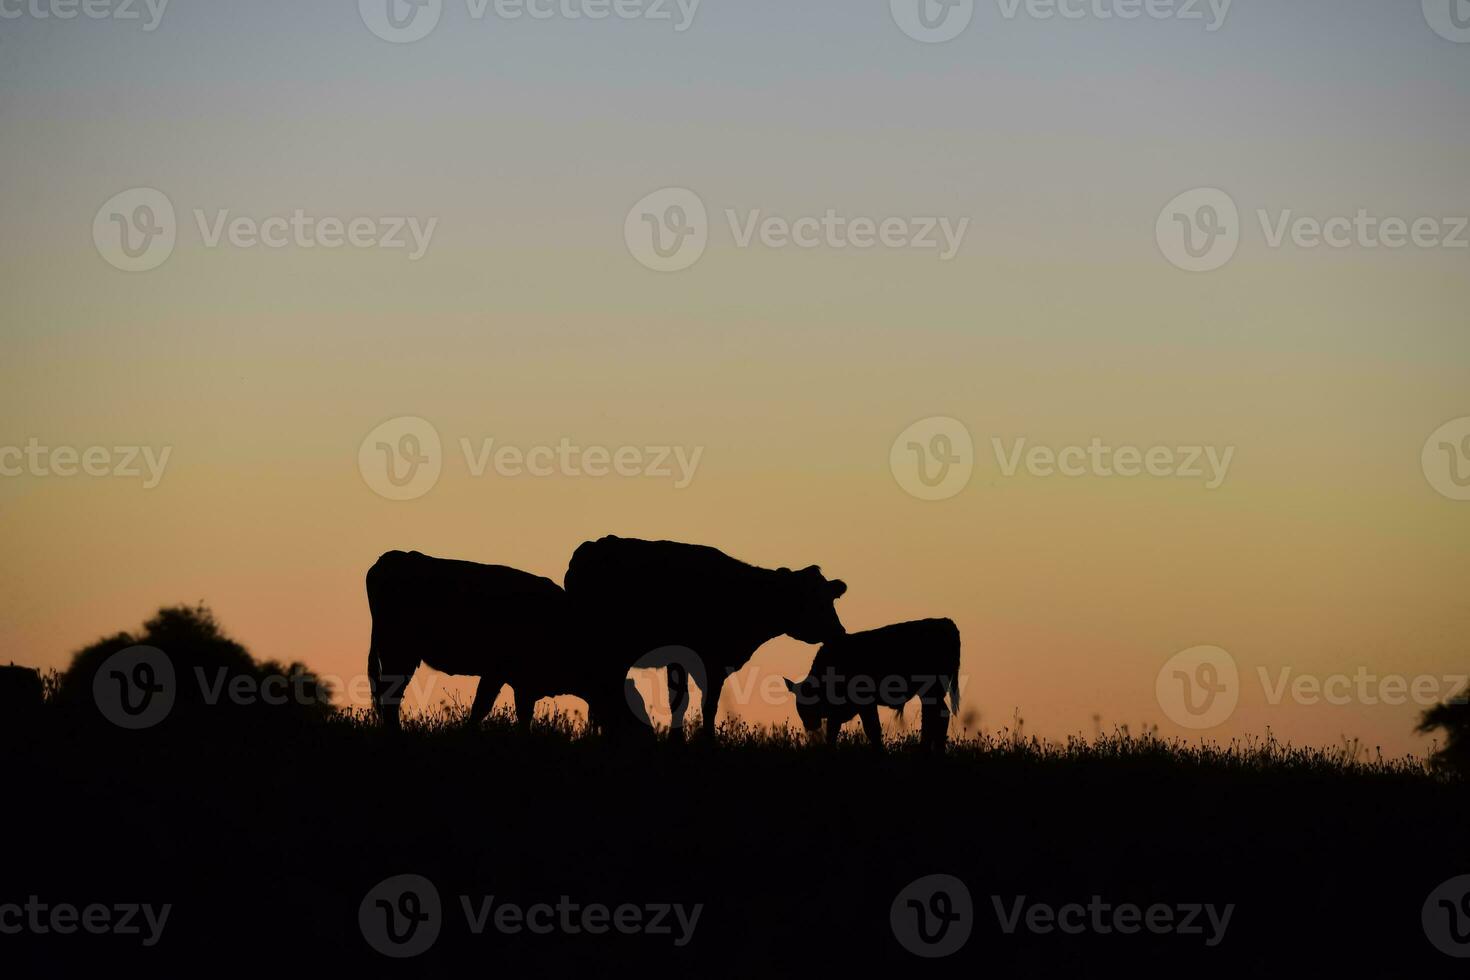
x,y
951,678
952,688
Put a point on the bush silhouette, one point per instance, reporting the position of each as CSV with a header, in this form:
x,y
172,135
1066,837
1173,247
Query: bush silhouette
x,y
1454,718
215,678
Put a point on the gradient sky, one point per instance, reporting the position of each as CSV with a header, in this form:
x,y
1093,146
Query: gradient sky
x,y
1326,550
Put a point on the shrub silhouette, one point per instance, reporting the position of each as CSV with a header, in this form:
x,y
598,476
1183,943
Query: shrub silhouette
x,y
1454,718
215,678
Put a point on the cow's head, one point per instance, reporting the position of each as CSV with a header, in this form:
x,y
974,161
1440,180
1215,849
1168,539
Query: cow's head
x,y
808,703
810,597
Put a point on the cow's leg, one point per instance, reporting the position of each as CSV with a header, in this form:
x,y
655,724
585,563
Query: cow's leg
x,y
388,675
678,700
485,695
525,707
871,725
933,722
604,712
716,676
834,729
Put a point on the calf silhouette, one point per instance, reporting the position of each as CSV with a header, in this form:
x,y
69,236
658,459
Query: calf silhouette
x,y
855,674
459,617
649,603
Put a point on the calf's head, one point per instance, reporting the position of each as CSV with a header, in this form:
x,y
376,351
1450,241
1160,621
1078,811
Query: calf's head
x,y
808,703
809,604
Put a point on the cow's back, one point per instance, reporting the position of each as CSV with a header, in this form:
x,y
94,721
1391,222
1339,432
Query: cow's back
x,y
922,646
656,592
451,609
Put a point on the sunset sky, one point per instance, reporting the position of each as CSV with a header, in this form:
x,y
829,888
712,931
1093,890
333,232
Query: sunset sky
x,y
1326,549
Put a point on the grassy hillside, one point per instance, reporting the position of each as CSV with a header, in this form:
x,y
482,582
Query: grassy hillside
x,y
266,838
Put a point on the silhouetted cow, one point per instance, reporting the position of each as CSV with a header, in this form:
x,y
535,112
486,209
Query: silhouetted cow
x,y
639,602
459,617
855,674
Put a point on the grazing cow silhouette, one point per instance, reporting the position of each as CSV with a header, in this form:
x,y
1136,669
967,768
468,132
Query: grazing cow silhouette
x,y
649,603
855,674
460,617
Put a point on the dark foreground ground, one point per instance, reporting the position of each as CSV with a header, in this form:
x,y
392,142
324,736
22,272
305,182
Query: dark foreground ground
x,y
267,842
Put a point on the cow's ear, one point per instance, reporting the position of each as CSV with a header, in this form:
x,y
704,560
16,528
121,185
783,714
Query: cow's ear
x,y
791,685
837,587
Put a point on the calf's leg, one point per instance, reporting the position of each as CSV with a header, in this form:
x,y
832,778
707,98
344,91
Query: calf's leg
x,y
484,700
525,708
